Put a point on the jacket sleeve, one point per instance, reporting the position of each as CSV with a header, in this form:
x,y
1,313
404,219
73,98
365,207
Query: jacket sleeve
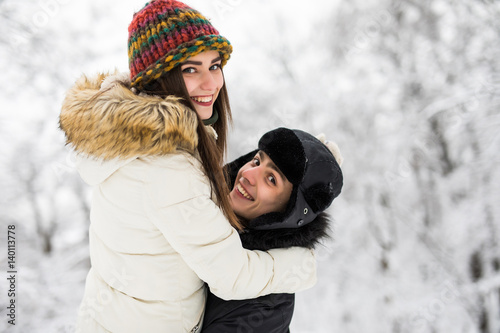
x,y
180,205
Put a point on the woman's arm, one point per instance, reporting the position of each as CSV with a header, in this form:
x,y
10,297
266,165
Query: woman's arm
x,y
179,204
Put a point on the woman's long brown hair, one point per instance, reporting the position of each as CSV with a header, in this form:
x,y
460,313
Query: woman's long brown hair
x,y
211,152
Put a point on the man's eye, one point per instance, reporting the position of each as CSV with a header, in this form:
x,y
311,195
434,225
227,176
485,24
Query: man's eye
x,y
256,161
272,179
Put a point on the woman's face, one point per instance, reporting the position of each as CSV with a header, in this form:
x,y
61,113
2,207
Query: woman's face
x,y
203,78
260,188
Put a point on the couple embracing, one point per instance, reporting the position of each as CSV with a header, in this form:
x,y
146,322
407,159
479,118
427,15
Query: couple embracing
x,y
202,245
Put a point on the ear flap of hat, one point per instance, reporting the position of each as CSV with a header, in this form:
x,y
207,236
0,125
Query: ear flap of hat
x,y
320,196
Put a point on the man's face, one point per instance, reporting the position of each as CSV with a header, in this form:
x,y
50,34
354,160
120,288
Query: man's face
x,y
260,188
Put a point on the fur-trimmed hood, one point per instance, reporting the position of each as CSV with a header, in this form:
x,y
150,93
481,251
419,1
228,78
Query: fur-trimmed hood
x,y
308,236
109,121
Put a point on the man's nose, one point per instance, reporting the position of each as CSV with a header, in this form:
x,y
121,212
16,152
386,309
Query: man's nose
x,y
251,175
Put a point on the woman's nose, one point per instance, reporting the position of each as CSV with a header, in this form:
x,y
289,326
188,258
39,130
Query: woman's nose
x,y
208,81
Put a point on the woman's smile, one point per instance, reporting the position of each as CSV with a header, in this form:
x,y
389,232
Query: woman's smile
x,y
203,100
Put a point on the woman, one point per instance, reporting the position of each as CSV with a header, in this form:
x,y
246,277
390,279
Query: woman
x,y
161,221
281,190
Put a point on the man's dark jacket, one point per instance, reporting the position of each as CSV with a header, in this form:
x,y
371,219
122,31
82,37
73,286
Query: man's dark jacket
x,y
267,314
273,313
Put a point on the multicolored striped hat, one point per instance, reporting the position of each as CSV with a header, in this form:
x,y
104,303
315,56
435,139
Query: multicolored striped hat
x,y
164,34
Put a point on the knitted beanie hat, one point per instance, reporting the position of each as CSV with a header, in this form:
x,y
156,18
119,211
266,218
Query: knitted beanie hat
x,y
164,34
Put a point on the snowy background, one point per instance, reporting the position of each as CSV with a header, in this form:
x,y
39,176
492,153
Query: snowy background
x,y
408,89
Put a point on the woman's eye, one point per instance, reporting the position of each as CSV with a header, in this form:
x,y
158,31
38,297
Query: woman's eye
x,y
272,179
189,70
215,67
256,161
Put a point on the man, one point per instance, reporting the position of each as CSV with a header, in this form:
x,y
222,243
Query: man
x,y
280,192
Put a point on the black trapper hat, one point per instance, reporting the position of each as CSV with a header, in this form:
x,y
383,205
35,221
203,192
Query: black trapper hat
x,y
309,165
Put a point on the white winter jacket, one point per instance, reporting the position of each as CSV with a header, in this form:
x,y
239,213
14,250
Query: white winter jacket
x,y
156,235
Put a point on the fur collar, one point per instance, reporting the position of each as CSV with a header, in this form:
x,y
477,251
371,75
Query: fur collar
x,y
116,123
308,236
